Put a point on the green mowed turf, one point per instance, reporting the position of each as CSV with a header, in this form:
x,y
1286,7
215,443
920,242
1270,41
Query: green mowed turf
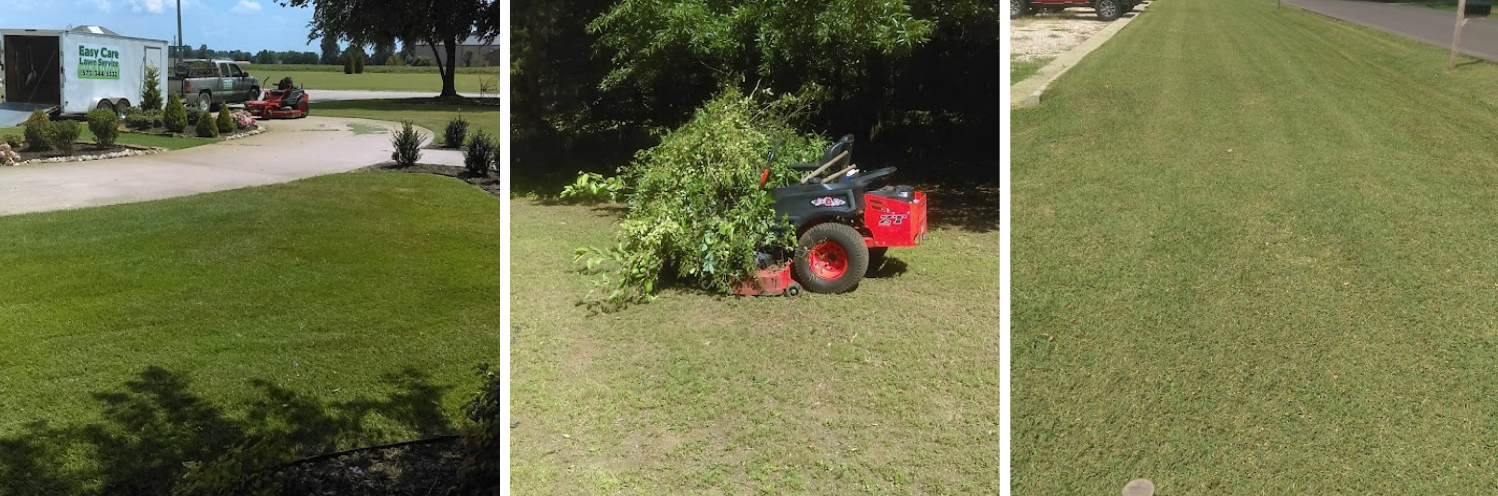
x,y
1253,254
422,112
338,311
893,388
320,80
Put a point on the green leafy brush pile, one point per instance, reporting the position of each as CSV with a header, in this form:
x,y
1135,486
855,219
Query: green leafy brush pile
x,y
696,209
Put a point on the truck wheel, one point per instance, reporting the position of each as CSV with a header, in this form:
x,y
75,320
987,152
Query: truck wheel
x,y
205,101
254,95
120,107
1017,8
831,258
1108,10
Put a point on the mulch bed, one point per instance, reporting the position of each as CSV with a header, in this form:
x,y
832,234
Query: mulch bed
x,y
424,468
488,182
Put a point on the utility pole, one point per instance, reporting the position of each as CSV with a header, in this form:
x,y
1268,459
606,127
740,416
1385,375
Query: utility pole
x,y
180,32
1456,35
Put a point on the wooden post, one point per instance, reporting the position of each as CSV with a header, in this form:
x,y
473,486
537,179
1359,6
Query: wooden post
x,y
1456,34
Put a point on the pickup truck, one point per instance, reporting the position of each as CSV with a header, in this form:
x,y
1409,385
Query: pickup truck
x,y
209,84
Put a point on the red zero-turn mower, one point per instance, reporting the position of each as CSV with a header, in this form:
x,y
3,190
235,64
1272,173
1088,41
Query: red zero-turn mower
x,y
846,221
284,102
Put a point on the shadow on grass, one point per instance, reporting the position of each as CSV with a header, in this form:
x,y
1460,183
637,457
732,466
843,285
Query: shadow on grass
x,y
153,428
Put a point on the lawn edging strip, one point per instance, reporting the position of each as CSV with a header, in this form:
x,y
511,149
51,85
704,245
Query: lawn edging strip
x,y
1027,93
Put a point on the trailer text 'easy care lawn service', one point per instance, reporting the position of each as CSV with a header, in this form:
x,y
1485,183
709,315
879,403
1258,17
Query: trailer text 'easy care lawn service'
x,y
74,71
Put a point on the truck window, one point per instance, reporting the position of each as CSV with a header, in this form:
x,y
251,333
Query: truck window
x,y
223,69
234,70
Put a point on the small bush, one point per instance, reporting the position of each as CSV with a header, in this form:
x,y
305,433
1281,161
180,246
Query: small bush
x,y
175,116
395,60
12,140
407,143
348,65
456,134
358,64
105,126
593,187
480,472
193,113
38,131
225,121
422,61
479,157
65,135
206,128
150,89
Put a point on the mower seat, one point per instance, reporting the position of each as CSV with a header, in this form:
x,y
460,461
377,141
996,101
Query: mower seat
x,y
292,97
843,144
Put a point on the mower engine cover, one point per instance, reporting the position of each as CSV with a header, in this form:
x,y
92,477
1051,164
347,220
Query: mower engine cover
x,y
895,216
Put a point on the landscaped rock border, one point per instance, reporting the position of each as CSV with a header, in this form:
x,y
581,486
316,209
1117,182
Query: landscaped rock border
x,y
131,151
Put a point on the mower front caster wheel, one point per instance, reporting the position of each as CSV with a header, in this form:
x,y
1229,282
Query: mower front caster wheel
x,y
831,258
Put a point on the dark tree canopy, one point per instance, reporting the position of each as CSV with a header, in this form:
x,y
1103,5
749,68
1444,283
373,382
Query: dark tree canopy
x,y
437,23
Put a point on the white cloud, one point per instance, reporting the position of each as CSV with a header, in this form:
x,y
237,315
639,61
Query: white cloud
x,y
103,5
246,7
152,6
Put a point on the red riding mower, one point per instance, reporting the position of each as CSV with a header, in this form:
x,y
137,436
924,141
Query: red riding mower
x,y
284,102
846,221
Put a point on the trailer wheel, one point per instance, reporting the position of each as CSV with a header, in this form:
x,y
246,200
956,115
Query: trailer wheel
x,y
120,107
205,101
831,258
105,105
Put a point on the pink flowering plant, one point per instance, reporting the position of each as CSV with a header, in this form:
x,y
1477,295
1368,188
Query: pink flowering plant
x,y
8,156
244,120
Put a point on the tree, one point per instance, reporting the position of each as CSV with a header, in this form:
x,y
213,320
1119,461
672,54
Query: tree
x,y
382,52
444,23
853,56
330,53
204,53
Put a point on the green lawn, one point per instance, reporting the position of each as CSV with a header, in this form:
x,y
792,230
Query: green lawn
x,y
1253,254
338,311
422,112
891,389
1021,69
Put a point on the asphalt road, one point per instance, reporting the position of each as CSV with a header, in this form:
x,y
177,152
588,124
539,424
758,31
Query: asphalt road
x,y
1479,36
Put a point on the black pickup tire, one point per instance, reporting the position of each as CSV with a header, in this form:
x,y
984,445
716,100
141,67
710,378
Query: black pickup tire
x,y
831,258
1108,10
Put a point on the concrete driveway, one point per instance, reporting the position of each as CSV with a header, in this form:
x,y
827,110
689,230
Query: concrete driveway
x,y
290,150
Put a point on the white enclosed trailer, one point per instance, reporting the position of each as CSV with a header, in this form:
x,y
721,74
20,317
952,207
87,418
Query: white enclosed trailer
x,y
74,71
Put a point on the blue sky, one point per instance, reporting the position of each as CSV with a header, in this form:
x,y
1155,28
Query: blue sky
x,y
250,25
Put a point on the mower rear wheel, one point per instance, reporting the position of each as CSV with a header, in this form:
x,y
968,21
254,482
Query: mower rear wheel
x,y
831,258
306,109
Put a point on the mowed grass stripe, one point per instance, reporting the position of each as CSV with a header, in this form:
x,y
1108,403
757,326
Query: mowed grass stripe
x,y
1253,253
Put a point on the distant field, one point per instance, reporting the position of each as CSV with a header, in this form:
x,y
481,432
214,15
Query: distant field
x,y
316,80
375,69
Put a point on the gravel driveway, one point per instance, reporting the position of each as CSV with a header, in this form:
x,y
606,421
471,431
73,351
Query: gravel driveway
x,y
1048,35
